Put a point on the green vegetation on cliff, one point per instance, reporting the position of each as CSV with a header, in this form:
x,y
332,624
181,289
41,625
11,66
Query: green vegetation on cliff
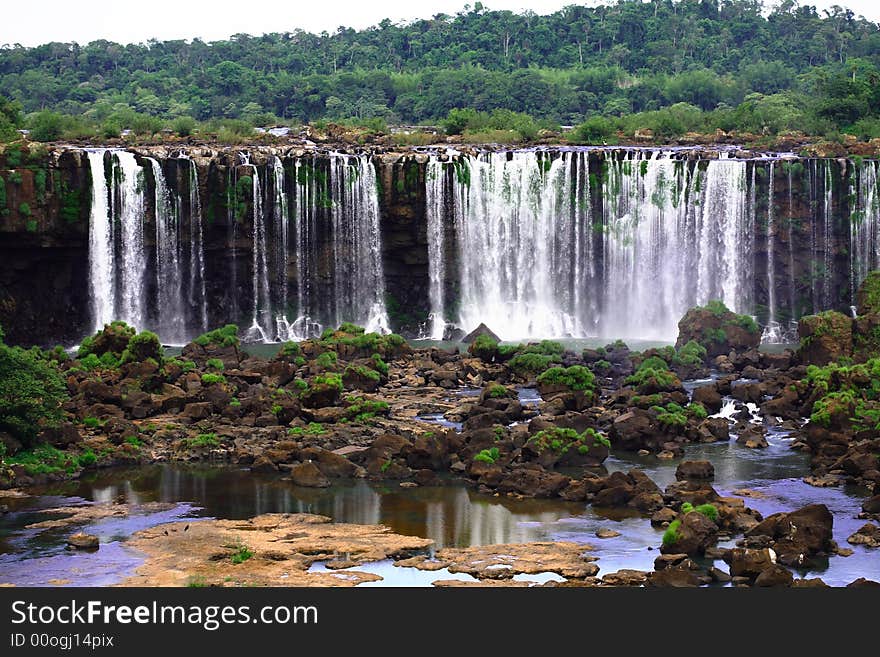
x,y
668,66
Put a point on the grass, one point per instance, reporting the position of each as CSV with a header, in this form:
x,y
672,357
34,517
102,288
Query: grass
x,y
203,440
671,535
44,459
242,553
488,455
313,429
210,379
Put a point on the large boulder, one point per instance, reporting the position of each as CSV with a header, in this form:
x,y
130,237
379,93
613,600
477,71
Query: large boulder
x,y
693,536
532,480
718,329
868,295
798,536
749,562
825,338
308,475
636,429
695,470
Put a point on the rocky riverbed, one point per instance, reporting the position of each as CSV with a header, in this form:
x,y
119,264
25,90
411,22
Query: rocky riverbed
x,y
607,431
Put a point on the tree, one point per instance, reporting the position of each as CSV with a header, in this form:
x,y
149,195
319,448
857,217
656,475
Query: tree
x,y
31,392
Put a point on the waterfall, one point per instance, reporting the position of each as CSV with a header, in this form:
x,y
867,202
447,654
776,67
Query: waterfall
x,y
772,332
171,319
305,255
435,198
828,300
359,281
131,260
262,322
864,223
514,219
101,254
281,260
197,296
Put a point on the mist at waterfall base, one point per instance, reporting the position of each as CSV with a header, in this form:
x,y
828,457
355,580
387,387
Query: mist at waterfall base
x,y
535,244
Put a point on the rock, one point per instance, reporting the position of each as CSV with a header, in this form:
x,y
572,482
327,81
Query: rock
x,y
482,329
62,436
774,576
663,517
809,583
82,541
606,533
714,429
625,577
718,329
665,561
752,437
198,410
320,395
709,397
695,470
308,475
747,392
798,535
871,505
825,338
718,575
673,578
868,294
331,465
533,481
748,562
264,465
636,429
861,581
867,535
694,535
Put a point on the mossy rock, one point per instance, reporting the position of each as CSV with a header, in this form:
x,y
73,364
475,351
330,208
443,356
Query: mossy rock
x,y
868,295
825,338
113,338
866,337
718,329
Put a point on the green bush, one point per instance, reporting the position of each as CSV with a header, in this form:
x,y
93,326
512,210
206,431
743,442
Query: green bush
x,y
209,379
44,459
330,380
351,329
595,130
673,415
484,348
524,364
223,337
692,353
141,347
488,455
327,360
215,364
561,440
671,535
380,365
32,392
497,391
290,350
575,377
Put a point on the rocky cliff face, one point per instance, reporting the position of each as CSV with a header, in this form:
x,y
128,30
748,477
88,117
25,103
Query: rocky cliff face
x,y
46,198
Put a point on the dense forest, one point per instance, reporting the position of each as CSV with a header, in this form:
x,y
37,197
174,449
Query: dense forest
x,y
673,65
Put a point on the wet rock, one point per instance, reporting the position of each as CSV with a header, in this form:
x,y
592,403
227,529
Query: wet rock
x,y
695,533
867,535
264,465
748,562
308,475
861,581
752,437
625,577
695,470
636,429
809,583
706,325
482,329
62,436
871,505
799,535
714,429
748,392
824,338
774,576
673,578
82,541
606,533
718,575
663,517
709,397
331,465
533,481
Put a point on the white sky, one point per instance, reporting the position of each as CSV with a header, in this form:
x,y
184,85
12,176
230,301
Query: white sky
x,y
32,22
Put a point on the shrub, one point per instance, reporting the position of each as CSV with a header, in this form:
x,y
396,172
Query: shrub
x,y
594,130
203,440
653,363
330,380
497,391
692,353
242,553
224,337
32,392
380,365
575,377
92,422
658,378
362,372
183,125
671,535
215,364
43,459
545,347
141,347
351,329
327,360
672,415
488,455
697,410
530,363
210,379
484,348
290,350
561,440
87,459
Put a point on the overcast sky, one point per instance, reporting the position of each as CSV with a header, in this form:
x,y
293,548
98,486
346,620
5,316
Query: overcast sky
x,y
32,22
